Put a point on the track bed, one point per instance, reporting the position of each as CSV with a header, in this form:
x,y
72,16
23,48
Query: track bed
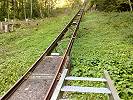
x,y
37,84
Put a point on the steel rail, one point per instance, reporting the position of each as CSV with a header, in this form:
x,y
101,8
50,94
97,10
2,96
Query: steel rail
x,y
46,53
67,53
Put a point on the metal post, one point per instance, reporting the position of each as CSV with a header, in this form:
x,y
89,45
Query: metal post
x,y
6,28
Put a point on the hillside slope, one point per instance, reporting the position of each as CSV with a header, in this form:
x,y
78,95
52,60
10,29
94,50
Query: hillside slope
x,y
105,42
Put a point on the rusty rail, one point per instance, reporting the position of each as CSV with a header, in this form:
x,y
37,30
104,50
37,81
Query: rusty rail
x,y
67,53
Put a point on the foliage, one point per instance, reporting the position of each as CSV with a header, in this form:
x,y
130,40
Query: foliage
x,y
104,42
110,5
21,9
75,3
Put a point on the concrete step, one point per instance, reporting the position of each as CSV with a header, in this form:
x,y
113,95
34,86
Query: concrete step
x,y
85,79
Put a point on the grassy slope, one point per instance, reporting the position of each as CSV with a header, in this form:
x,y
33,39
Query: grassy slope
x,y
105,42
20,49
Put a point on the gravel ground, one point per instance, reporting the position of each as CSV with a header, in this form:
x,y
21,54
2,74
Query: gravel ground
x,y
37,85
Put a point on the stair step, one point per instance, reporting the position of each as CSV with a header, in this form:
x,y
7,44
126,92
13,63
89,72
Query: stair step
x,y
85,89
55,54
75,23
85,79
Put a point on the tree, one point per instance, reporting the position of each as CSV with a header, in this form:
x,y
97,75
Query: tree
x,y
111,5
130,5
31,9
24,8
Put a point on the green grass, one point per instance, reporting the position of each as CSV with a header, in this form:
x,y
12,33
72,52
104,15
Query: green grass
x,y
104,42
20,49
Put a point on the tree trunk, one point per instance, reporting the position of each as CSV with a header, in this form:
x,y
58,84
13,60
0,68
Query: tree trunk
x,y
24,10
25,13
14,4
8,13
131,9
41,14
31,12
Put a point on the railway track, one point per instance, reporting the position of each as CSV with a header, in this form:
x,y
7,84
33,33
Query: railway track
x,y
46,78
39,82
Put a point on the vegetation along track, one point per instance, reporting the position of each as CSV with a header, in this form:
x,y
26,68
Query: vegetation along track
x,y
102,45
39,81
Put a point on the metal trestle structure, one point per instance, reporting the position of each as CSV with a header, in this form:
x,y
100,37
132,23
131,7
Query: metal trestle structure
x,y
109,89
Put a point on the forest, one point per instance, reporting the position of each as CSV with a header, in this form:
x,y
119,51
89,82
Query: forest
x,y
23,9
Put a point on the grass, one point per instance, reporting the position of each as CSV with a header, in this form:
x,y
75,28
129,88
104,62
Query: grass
x,y
20,49
104,42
